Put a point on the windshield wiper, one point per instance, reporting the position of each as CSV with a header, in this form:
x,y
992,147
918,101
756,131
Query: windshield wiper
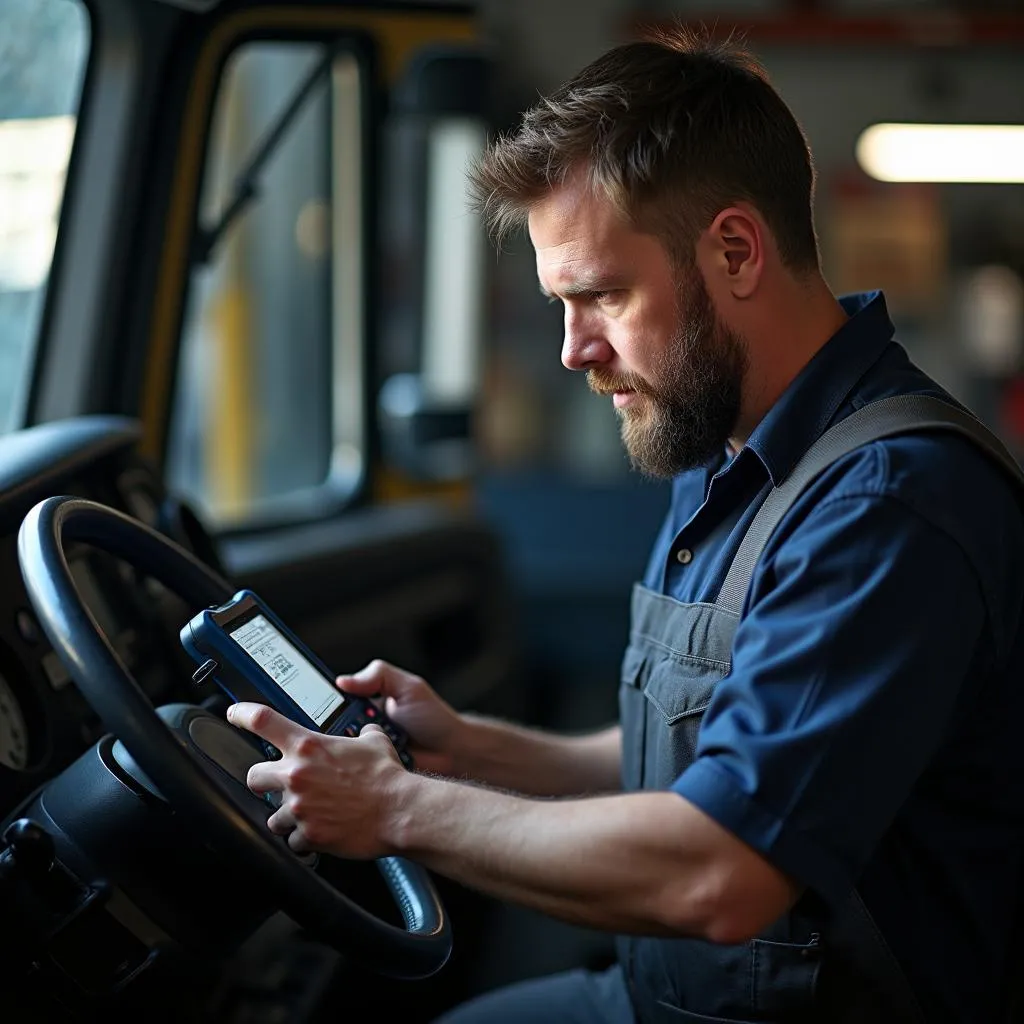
x,y
246,187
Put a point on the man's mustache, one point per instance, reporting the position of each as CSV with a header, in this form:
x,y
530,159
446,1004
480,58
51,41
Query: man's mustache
x,y
605,382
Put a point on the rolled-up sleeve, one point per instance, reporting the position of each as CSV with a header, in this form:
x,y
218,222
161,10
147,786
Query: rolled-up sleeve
x,y
846,673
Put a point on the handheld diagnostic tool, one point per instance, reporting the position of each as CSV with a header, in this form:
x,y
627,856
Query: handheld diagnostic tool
x,y
252,656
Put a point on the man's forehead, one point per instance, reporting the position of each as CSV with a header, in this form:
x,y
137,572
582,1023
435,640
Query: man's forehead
x,y
573,266
572,209
575,237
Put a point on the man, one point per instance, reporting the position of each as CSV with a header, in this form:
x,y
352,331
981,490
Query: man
x,y
822,812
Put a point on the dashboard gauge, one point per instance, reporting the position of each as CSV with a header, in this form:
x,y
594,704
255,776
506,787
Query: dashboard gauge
x,y
13,730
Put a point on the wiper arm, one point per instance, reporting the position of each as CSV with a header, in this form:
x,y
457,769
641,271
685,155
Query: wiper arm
x,y
247,183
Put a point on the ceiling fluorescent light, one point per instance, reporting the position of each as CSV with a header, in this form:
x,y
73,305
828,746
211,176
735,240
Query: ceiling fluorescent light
x,y
943,152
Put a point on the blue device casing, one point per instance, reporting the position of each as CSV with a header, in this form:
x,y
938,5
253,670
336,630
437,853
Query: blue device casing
x,y
207,640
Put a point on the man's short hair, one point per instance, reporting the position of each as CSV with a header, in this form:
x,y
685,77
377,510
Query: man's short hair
x,y
672,130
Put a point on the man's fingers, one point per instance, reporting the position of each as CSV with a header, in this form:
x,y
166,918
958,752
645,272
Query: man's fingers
x,y
298,842
367,682
265,777
361,687
379,678
265,722
281,822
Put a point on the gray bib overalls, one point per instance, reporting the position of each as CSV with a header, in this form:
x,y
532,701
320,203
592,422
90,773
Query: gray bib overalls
x,y
813,964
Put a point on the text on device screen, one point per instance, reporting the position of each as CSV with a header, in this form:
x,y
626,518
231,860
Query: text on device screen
x,y
288,668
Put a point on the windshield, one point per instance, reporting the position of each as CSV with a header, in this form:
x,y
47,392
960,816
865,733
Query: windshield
x,y
43,51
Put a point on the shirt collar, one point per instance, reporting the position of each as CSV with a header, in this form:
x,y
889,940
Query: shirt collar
x,y
807,407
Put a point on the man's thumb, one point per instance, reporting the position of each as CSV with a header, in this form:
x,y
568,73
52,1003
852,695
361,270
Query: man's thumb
x,y
360,687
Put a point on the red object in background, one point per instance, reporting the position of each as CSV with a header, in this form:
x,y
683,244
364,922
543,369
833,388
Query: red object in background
x,y
1011,409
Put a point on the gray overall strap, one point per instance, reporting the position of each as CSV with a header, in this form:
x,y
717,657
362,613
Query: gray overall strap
x,y
900,414
854,932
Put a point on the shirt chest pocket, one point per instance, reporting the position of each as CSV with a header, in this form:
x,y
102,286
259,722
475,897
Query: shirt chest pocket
x,y
663,699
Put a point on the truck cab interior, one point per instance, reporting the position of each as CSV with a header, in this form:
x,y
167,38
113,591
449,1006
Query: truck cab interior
x,y
251,335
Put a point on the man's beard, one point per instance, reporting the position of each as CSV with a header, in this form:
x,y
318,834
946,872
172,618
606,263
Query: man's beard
x,y
683,416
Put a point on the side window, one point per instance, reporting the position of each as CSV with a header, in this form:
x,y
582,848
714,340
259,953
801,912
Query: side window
x,y
44,46
268,408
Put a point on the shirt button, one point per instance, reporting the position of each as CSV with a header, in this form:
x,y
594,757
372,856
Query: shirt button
x,y
684,556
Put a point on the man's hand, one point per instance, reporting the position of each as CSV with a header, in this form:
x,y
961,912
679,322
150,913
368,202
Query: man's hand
x,y
468,746
645,863
336,791
436,731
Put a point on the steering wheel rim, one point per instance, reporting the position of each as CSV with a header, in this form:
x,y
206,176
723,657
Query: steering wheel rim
x,y
417,951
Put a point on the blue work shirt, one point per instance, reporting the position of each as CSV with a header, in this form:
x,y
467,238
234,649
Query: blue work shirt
x,y
868,732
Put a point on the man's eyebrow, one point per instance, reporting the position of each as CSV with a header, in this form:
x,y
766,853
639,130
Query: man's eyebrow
x,y
581,288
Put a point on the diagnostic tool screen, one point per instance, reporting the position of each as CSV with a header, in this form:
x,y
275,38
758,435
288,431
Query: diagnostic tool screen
x,y
288,668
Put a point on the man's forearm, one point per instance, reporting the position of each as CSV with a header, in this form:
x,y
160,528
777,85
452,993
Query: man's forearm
x,y
648,863
538,763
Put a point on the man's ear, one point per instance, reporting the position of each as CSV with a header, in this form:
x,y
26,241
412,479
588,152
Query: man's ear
x,y
733,251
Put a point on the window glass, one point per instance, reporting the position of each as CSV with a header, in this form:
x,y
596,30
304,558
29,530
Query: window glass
x,y
43,52
268,406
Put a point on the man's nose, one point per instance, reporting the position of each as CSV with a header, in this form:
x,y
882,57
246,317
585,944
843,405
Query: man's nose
x,y
583,347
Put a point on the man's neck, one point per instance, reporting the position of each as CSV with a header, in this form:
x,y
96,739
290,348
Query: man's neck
x,y
793,323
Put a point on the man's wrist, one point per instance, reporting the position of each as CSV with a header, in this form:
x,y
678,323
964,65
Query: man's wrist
x,y
404,803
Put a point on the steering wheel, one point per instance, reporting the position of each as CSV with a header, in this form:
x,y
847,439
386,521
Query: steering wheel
x,y
232,818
